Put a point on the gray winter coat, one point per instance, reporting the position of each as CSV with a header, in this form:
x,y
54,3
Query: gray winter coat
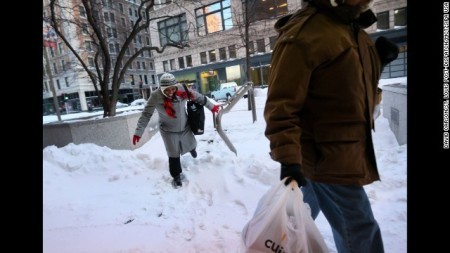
x,y
177,136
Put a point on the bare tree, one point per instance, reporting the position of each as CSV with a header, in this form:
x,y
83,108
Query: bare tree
x,y
255,20
104,73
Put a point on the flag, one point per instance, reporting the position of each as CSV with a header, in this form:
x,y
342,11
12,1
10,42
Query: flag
x,y
49,37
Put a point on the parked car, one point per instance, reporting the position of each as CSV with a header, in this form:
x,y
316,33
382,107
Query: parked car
x,y
225,91
120,105
139,101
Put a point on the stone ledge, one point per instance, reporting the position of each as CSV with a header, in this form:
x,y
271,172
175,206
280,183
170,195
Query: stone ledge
x,y
116,132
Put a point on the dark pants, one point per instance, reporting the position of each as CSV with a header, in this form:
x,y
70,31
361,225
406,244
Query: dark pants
x,y
347,209
174,166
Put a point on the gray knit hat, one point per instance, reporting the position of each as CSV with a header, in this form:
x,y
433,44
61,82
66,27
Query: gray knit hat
x,y
167,80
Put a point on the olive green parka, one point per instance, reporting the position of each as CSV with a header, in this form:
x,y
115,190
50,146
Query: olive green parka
x,y
321,96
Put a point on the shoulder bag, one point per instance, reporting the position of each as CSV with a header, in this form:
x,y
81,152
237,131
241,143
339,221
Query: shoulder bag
x,y
196,114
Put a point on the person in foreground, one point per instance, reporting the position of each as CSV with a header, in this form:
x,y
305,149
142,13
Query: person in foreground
x,y
321,97
170,103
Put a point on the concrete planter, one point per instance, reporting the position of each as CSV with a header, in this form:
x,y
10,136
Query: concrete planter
x,y
395,110
115,133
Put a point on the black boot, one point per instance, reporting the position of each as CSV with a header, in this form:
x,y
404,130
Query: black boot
x,y
193,153
175,170
176,182
174,166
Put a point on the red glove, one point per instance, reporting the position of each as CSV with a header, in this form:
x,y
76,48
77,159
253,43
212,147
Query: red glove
x,y
215,109
136,139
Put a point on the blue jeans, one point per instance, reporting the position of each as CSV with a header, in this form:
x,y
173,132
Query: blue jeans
x,y
347,209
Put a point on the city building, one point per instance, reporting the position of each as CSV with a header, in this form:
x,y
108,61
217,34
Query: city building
x,y
73,88
215,32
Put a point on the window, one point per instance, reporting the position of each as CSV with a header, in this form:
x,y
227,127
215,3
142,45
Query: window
x,y
203,58
57,84
222,53
55,69
266,9
272,41
106,15
181,62
84,29
166,66
82,11
188,61
232,51
251,47
173,30
161,3
52,52
383,20
147,40
140,39
172,64
88,45
143,65
212,55
60,47
112,18
400,17
150,64
63,65
130,12
138,65
117,47
111,48
213,18
123,22
135,13
132,79
66,80
91,61
121,8
260,46
145,79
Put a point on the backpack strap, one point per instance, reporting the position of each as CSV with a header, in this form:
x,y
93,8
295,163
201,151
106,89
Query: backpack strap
x,y
187,91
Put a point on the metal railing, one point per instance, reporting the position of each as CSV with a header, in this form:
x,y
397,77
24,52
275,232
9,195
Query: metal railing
x,y
247,87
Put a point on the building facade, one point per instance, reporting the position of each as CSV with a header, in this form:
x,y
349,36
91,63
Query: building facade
x,y
74,89
215,33
214,29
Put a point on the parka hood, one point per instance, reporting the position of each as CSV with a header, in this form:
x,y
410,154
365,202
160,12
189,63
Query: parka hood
x,y
343,13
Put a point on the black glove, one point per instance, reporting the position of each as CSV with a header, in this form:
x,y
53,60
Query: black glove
x,y
292,172
387,50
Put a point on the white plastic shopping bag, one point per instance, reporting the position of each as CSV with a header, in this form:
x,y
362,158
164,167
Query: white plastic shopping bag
x,y
282,223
